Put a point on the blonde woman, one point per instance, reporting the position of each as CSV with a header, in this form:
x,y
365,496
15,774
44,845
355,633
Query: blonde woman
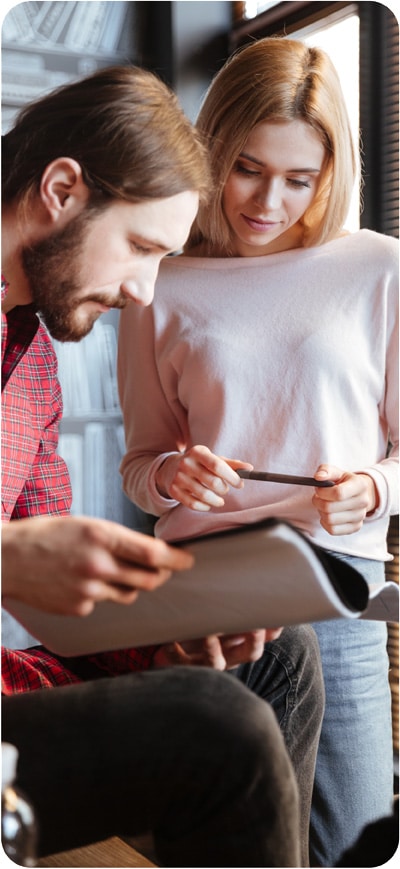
x,y
273,341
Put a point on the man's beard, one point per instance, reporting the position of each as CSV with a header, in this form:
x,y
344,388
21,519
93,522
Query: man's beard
x,y
53,268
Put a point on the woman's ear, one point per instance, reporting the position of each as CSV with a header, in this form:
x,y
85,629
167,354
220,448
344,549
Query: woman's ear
x,y
63,191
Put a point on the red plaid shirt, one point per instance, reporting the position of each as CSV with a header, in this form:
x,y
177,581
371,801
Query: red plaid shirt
x,y
35,481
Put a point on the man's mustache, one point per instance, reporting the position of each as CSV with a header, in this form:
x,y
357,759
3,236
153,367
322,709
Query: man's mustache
x,y
120,301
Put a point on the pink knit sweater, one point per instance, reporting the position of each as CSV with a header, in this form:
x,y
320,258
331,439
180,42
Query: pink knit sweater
x,y
286,361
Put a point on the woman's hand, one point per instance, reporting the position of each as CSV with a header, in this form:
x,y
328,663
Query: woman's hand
x,y
217,652
198,478
343,507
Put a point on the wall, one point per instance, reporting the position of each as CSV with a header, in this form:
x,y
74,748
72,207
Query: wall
x,y
199,44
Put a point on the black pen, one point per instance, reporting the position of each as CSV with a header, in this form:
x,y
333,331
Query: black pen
x,y
283,478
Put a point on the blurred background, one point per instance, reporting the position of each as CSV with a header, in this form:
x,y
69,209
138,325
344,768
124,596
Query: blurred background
x,y
45,44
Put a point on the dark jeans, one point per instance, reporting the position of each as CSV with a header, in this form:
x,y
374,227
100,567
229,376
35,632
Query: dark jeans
x,y
188,753
289,677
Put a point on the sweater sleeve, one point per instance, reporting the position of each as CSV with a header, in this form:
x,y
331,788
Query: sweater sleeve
x,y
385,473
152,431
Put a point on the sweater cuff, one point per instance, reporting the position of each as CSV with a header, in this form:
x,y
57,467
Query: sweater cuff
x,y
161,503
382,486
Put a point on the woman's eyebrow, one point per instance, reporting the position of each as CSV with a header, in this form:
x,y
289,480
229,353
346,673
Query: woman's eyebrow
x,y
245,156
306,171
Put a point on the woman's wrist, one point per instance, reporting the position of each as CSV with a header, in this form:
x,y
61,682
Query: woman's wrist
x,y
373,494
160,479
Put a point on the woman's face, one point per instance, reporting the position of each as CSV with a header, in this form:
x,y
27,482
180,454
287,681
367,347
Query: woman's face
x,y
271,185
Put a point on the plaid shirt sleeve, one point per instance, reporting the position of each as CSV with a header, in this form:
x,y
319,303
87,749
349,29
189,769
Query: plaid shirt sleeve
x,y
31,669
36,668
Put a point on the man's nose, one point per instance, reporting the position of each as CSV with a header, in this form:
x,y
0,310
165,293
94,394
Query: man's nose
x,y
139,290
139,286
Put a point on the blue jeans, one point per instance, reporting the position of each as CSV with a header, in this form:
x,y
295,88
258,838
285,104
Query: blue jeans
x,y
354,772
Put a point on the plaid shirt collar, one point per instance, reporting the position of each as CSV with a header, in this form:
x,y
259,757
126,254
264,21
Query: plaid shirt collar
x,y
19,328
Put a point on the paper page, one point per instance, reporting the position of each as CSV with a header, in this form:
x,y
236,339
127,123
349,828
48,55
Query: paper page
x,y
383,603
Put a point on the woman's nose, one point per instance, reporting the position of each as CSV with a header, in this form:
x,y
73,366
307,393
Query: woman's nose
x,y
269,194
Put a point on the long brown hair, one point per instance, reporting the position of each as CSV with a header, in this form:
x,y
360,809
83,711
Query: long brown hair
x,y
125,128
277,79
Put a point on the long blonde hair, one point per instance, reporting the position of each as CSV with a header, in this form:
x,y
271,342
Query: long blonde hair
x,y
276,79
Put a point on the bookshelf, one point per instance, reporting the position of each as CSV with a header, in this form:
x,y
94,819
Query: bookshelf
x,y
47,44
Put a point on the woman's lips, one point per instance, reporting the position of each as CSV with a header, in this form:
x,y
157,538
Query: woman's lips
x,y
260,225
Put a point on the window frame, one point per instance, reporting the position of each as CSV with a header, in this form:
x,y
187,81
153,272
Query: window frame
x,y
282,19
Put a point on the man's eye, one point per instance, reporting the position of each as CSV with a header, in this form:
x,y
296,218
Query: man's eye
x,y
139,247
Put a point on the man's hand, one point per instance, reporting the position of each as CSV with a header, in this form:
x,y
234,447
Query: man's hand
x,y
67,564
198,478
343,507
218,652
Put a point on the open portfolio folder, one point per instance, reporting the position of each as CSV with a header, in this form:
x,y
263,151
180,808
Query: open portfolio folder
x,y
262,575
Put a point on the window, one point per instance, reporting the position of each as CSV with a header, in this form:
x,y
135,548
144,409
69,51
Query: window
x,y
253,8
340,39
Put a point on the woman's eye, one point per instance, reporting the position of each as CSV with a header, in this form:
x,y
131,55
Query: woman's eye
x,y
244,170
294,182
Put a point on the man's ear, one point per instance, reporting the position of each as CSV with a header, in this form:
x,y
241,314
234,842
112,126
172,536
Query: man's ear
x,y
63,191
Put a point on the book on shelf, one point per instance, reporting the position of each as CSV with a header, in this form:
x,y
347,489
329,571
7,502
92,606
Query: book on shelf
x,y
88,373
93,458
70,447
94,27
102,480
258,576
109,375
